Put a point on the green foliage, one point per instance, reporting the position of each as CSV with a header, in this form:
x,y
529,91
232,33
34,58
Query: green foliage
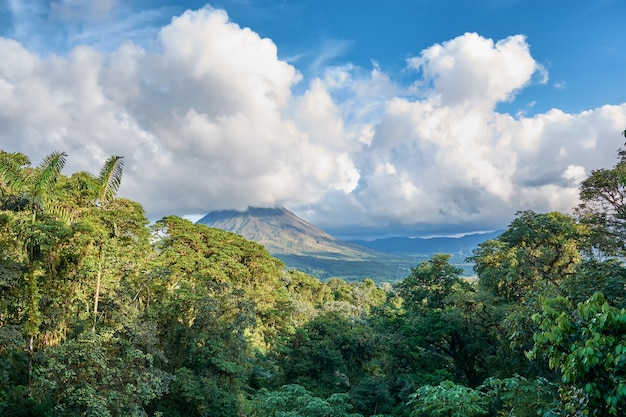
x,y
607,277
430,283
100,375
192,394
295,401
324,353
448,400
536,250
102,315
513,396
221,301
373,394
445,323
307,295
602,210
195,260
520,397
110,178
587,344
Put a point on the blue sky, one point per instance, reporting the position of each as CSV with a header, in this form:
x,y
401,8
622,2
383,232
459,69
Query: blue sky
x,y
367,118
581,43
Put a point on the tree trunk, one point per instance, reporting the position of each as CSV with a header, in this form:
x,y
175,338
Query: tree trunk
x,y
97,292
31,353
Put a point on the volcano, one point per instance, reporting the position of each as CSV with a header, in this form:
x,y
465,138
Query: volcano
x,y
305,247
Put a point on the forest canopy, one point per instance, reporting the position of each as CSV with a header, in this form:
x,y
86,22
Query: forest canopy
x,y
105,314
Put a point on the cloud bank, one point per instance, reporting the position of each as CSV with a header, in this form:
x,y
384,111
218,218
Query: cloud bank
x,y
208,119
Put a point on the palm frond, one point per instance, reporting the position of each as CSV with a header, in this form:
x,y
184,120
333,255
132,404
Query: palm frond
x,y
15,160
48,172
110,178
63,212
12,170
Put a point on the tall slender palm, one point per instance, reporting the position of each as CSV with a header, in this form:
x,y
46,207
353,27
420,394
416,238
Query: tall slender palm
x,y
31,191
109,182
110,179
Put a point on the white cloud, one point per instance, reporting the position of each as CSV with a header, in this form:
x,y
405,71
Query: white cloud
x,y
457,69
575,173
209,120
457,161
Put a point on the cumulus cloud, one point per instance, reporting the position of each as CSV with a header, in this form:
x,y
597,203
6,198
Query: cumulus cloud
x,y
444,156
473,69
206,122
209,119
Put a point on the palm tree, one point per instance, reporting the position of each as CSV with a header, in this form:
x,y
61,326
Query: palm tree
x,y
30,191
11,165
109,182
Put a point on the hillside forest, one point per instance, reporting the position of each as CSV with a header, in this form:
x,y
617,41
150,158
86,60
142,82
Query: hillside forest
x,y
104,314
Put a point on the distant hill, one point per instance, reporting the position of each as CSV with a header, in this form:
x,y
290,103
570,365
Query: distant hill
x,y
460,248
303,246
463,245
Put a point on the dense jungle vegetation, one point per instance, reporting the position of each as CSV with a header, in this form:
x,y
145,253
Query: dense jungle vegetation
x,y
103,314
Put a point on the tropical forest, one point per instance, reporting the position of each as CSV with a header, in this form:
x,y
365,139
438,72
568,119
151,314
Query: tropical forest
x,y
105,313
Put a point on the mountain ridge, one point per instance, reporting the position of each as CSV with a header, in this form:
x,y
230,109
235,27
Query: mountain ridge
x,y
309,249
420,245
282,232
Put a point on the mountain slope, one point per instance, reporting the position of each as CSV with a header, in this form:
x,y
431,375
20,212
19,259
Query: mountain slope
x,y
282,232
305,247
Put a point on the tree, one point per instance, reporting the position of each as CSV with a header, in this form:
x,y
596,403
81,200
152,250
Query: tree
x,y
587,344
430,283
535,251
202,256
513,396
324,354
58,235
446,322
221,300
40,221
111,238
294,401
603,209
102,374
591,276
30,189
109,181
448,400
307,295
520,397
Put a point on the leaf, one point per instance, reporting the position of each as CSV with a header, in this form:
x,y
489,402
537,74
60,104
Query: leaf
x,y
48,172
110,178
